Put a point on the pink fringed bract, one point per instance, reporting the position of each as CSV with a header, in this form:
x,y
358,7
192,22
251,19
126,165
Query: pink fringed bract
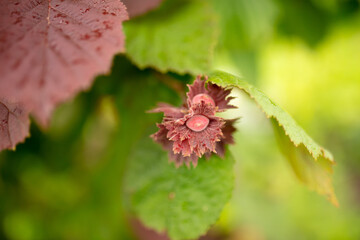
x,y
194,130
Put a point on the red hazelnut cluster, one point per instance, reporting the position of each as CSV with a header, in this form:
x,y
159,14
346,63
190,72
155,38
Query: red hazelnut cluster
x,y
191,131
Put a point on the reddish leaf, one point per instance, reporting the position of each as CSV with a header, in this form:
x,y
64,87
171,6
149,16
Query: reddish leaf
x,y
14,124
138,7
51,49
145,233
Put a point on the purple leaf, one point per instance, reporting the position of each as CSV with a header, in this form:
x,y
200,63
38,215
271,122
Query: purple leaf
x,y
14,124
52,49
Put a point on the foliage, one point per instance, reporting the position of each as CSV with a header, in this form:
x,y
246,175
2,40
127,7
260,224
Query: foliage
x,y
51,50
17,124
190,27
316,173
186,201
93,172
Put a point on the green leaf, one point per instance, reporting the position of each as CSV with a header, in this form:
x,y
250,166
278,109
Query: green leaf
x,y
183,202
316,174
179,37
311,163
245,24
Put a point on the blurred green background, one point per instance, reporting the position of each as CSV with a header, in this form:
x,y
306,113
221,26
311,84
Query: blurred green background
x,y
65,182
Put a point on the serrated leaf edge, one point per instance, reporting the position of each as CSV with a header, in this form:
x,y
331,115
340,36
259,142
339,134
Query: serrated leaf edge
x,y
323,152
